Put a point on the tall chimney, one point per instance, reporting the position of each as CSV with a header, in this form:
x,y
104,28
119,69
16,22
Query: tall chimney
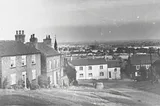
x,y
47,40
20,36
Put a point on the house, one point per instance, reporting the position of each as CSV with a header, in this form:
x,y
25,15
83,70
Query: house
x,y
138,62
97,68
50,59
114,69
18,61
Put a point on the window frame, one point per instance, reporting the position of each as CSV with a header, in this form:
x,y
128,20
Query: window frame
x,y
81,68
101,67
50,65
81,75
90,75
13,78
137,67
89,67
34,74
33,59
23,60
101,73
13,61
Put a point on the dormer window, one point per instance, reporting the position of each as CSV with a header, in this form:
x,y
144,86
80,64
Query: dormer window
x,y
23,60
33,59
13,61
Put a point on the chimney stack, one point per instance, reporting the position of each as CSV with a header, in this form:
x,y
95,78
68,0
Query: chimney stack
x,y
20,36
48,40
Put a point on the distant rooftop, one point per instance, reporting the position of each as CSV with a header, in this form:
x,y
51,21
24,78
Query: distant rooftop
x,y
97,61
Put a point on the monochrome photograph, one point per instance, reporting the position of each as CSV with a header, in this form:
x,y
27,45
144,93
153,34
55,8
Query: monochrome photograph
x,y
79,52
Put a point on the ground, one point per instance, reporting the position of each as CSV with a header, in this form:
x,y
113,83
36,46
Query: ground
x,y
115,93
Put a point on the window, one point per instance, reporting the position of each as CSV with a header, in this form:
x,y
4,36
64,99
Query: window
x,y
137,67
101,73
13,79
101,67
137,74
90,74
33,59
147,66
80,68
80,75
33,74
50,64
50,79
23,60
110,75
89,67
54,62
58,63
13,61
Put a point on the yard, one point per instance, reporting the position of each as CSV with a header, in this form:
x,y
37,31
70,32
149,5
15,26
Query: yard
x,y
116,93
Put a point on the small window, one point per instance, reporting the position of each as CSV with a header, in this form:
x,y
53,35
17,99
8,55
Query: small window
x,y
89,67
50,64
147,66
80,68
23,60
54,64
13,61
80,75
50,79
101,67
101,73
90,74
33,74
137,67
33,59
137,74
13,79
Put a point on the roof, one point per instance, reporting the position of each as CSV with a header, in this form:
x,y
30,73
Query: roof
x,y
98,61
143,59
82,62
47,50
13,48
113,63
157,63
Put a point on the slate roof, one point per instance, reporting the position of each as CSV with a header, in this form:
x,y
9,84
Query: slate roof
x,y
13,48
113,63
82,62
143,59
99,61
47,50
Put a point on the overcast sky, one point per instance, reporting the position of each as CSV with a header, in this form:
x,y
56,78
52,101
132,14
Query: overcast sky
x,y
81,20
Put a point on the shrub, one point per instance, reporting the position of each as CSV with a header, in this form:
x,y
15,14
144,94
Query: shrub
x,y
5,83
34,85
43,81
21,84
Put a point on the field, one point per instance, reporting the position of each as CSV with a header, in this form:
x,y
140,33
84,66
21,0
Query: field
x,y
115,93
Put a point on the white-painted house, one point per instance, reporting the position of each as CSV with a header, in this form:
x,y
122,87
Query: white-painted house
x,y
96,69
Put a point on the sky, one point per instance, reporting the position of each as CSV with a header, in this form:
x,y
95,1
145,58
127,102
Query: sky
x,y
81,20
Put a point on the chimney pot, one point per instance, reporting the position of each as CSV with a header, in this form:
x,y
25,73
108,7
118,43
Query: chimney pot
x,y
19,32
22,32
16,32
